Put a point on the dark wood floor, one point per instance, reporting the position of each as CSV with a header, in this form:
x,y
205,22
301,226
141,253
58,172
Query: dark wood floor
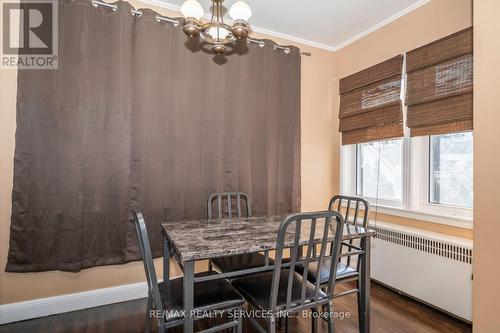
x,y
390,313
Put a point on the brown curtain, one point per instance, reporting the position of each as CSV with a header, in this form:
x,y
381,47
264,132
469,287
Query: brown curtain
x,y
139,117
370,103
439,89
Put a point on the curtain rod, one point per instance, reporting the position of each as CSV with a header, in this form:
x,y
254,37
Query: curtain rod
x,y
176,23
285,49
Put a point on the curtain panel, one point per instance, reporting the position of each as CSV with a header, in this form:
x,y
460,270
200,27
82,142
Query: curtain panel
x,y
440,82
370,103
138,117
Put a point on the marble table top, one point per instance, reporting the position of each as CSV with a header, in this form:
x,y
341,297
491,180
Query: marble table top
x,y
206,239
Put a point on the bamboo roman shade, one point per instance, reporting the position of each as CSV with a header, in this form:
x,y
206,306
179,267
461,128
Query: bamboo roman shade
x,y
439,88
370,103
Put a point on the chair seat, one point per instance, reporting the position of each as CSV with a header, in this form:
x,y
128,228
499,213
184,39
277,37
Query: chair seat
x,y
208,295
343,271
239,262
257,289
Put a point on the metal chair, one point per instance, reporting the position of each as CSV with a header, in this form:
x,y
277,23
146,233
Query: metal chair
x,y
226,208
345,273
166,301
359,203
284,291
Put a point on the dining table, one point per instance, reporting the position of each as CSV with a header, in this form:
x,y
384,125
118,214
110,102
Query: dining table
x,y
189,241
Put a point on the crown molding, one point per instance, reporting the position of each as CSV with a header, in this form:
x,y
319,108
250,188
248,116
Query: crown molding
x,y
165,5
308,42
294,39
383,23
291,38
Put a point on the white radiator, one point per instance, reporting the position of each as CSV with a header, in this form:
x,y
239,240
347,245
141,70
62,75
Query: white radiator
x,y
430,267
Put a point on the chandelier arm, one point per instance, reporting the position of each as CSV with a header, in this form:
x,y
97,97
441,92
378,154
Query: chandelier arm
x,y
221,13
221,21
218,21
205,36
216,32
213,11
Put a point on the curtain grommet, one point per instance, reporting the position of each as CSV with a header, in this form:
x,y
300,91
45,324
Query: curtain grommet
x,y
136,13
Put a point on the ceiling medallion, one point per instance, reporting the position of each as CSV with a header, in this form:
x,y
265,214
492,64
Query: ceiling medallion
x,y
216,32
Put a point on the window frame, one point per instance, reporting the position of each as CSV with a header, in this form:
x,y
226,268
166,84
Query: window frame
x,y
422,166
415,182
385,202
429,165
415,168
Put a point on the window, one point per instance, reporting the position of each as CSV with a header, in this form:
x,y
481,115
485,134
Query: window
x,y
422,175
425,177
380,178
450,169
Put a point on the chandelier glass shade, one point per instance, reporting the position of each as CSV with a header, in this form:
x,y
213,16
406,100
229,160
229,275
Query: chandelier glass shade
x,y
216,32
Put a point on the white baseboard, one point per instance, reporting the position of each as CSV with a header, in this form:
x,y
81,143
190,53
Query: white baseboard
x,y
70,302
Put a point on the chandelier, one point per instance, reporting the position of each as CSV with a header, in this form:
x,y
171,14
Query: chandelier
x,y
216,32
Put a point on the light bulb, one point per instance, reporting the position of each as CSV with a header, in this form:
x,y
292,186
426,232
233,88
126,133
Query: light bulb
x,y
222,33
192,9
240,11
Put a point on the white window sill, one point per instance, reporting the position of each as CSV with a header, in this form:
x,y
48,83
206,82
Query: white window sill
x,y
447,219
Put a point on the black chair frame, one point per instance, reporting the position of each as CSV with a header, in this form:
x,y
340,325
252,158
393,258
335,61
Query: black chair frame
x,y
352,250
154,301
242,208
228,196
323,240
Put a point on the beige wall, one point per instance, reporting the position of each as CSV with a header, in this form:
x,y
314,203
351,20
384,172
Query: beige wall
x,y
486,307
319,180
320,140
428,23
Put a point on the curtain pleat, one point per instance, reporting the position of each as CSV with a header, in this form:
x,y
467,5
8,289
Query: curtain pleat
x,y
139,117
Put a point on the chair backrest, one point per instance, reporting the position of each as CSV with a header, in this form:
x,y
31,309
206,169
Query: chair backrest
x,y
147,259
312,230
225,207
360,206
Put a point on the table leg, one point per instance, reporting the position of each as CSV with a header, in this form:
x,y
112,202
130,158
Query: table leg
x,y
166,260
188,295
364,287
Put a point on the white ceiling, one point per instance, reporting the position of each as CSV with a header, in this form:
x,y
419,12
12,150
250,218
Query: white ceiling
x,y
329,24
